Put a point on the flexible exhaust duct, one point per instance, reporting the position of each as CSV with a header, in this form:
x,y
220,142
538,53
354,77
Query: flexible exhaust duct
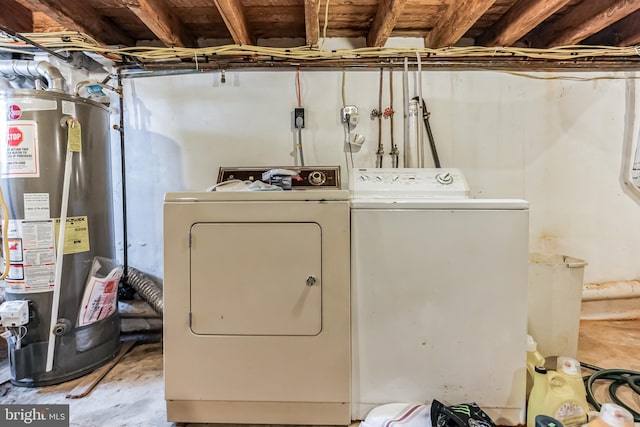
x,y
147,289
55,81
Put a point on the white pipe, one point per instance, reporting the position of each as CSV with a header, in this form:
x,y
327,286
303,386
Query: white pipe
x,y
51,74
630,146
421,154
66,183
611,290
412,150
405,99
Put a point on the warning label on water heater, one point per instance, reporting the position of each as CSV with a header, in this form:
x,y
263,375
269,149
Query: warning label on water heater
x,y
19,150
32,256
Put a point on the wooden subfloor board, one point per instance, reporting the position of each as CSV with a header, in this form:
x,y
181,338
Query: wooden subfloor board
x,y
5,371
90,381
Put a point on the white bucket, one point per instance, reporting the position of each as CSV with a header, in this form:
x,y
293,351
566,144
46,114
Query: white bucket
x,y
555,296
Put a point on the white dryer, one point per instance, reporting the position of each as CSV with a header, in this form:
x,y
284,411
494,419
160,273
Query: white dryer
x,y
439,293
256,314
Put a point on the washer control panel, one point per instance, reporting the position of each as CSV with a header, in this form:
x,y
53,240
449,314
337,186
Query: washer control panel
x,y
408,183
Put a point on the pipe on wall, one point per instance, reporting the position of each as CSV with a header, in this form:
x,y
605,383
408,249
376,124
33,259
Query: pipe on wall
x,y
611,290
43,69
611,301
630,149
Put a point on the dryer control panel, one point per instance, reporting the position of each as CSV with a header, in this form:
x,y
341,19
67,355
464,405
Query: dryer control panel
x,y
408,183
308,177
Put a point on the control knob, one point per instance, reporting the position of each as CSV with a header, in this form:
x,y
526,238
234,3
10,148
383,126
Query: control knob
x,y
317,178
444,178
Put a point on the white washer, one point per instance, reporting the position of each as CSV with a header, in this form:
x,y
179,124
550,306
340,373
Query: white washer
x,y
439,293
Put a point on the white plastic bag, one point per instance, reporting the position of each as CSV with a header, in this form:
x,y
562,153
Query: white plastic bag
x,y
399,415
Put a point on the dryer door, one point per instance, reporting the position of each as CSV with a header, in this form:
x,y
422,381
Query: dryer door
x,y
267,279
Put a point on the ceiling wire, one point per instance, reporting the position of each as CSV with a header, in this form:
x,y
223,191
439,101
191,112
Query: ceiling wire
x,y
298,89
73,41
326,23
18,36
344,78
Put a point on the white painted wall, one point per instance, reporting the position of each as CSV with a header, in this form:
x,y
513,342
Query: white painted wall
x,y
557,143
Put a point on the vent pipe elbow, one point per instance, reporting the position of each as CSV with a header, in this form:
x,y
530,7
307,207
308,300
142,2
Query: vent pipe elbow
x,y
55,81
52,75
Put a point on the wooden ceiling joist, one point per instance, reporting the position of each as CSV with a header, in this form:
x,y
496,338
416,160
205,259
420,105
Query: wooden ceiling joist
x,y
386,18
459,16
311,23
16,17
523,17
235,20
625,32
78,15
157,16
585,19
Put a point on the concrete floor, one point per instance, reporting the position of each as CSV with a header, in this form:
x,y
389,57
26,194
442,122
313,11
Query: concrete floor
x,y
132,394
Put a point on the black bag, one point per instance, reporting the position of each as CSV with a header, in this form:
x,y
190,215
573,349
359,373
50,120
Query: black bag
x,y
464,415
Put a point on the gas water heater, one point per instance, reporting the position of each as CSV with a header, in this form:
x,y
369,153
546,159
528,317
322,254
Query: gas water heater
x,y
55,176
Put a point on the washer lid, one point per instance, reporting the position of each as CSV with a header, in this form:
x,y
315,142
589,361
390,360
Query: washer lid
x,y
444,204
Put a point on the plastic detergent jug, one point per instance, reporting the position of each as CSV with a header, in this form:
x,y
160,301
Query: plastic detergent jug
x,y
612,415
534,358
559,394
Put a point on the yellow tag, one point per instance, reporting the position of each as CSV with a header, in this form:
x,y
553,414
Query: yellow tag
x,y
74,136
76,234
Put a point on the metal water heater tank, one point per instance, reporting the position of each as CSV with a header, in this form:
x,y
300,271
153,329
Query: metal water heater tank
x,y
85,334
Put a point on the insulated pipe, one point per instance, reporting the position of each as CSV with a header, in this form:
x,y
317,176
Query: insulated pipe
x,y
147,289
611,290
630,145
51,74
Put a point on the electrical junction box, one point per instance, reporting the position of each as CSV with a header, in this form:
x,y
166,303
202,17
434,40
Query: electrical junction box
x,y
298,115
14,313
349,113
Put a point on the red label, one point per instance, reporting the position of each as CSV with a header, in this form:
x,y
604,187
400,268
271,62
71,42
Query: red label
x,y
14,112
110,286
14,137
